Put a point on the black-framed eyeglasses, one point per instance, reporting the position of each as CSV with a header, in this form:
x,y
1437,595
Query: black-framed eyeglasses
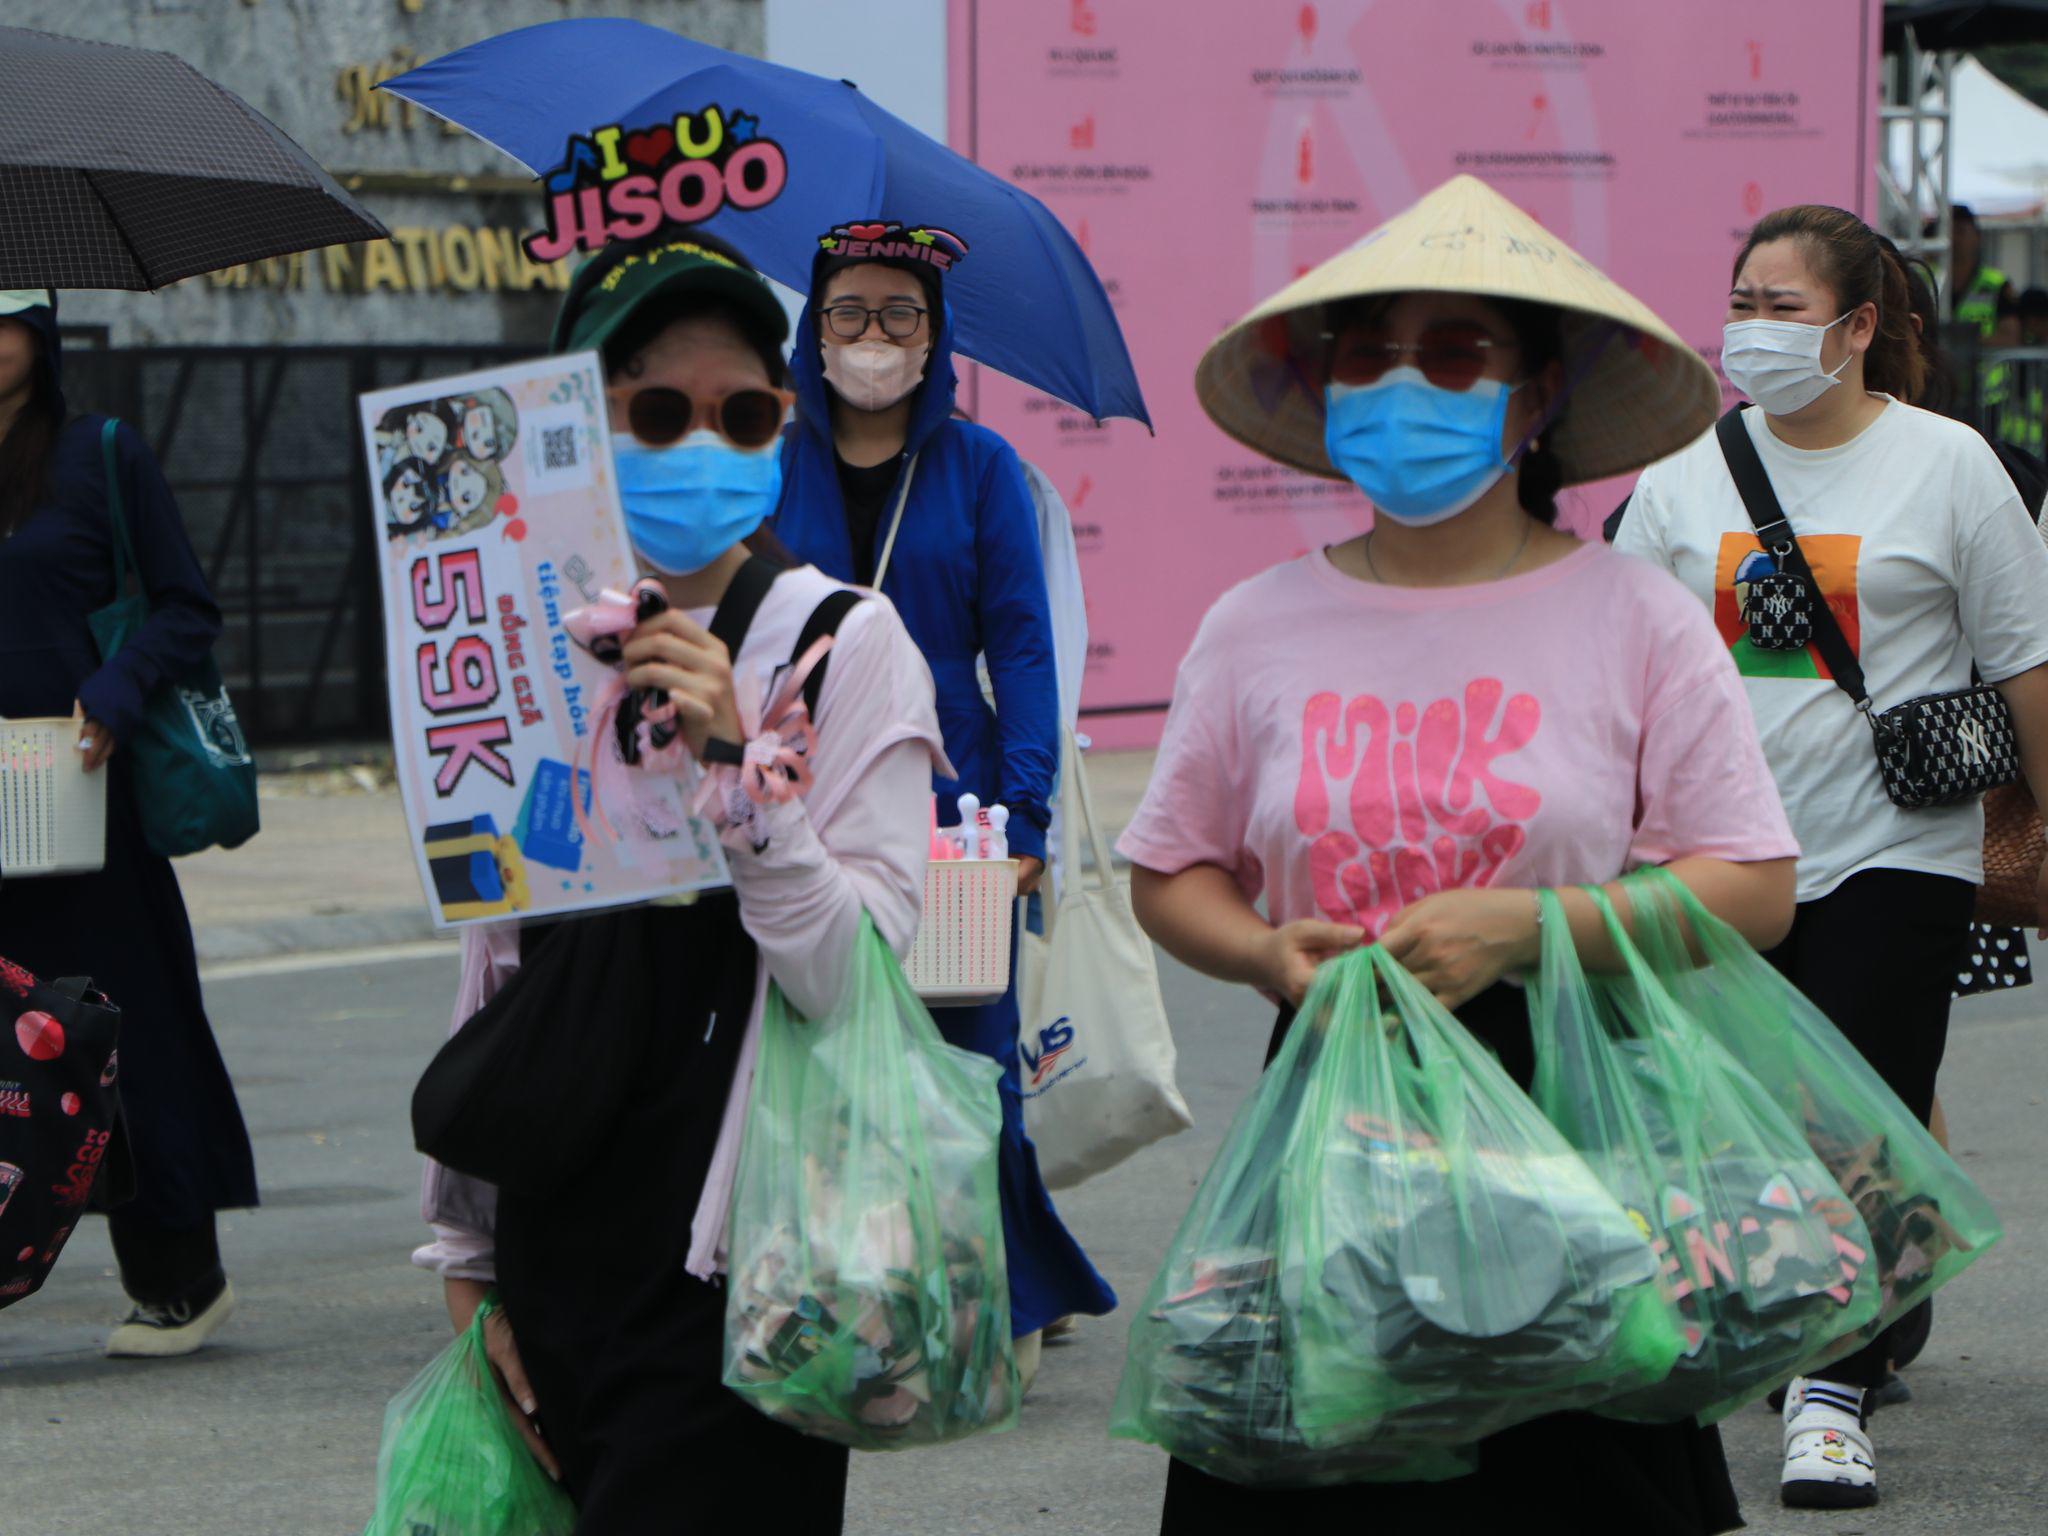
x,y
849,322
746,418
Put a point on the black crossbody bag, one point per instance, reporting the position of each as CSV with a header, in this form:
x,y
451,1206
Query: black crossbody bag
x,y
1934,750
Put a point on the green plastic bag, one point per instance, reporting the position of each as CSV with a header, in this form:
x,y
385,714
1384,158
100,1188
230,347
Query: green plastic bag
x,y
452,1462
868,1300
1927,1221
1392,1257
1764,1259
1461,1269
1210,1366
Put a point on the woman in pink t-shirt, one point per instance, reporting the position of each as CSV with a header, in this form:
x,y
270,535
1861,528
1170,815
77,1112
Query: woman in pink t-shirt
x,y
1401,737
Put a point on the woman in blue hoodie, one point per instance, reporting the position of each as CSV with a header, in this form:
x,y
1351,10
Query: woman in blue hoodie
x,y
125,926
884,487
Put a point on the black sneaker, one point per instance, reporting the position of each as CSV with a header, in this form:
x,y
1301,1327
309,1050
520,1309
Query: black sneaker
x,y
159,1330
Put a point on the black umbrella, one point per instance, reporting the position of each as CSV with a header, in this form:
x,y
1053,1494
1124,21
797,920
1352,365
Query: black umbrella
x,y
127,168
1944,26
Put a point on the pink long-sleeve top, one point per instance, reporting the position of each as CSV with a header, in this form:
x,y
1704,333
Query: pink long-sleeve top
x,y
804,872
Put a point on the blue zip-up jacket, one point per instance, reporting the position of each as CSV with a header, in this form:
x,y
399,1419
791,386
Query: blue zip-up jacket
x,y
966,575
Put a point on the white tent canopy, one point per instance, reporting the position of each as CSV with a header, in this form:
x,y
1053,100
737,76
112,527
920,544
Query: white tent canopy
x,y
1999,148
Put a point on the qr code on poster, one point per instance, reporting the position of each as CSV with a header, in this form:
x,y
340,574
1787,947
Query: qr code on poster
x,y
560,450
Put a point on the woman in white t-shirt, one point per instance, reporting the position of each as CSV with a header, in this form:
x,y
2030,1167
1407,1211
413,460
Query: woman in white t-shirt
x,y
1930,564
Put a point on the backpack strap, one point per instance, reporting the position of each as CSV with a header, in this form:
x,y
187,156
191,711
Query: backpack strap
x,y
743,598
1774,533
825,620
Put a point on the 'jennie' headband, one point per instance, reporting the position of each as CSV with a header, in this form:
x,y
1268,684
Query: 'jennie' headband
x,y
888,240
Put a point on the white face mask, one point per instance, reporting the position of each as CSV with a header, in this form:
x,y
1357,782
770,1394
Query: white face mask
x,y
1777,362
874,375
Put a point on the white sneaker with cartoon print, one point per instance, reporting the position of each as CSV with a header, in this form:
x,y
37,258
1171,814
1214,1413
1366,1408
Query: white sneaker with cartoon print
x,y
1829,1463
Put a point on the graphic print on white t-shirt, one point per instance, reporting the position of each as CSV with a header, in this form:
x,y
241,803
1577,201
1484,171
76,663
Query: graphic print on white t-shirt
x,y
1742,559
1398,801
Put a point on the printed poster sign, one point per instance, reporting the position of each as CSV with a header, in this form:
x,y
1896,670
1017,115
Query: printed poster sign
x,y
497,512
1200,179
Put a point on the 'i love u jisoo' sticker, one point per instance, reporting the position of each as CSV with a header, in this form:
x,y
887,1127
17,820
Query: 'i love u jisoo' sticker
x,y
619,183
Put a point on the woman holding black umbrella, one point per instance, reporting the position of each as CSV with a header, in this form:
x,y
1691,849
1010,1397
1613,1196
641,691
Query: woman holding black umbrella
x,y
125,926
884,486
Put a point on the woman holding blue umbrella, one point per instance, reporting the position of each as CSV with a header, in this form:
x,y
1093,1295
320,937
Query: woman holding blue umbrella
x,y
884,487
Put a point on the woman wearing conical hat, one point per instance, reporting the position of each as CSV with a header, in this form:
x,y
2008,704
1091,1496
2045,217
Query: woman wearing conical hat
x,y
1403,737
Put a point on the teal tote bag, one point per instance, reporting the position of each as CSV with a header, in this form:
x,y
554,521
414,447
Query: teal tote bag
x,y
195,782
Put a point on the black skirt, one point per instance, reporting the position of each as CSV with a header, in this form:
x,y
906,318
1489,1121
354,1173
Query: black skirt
x,y
1611,1477
622,1345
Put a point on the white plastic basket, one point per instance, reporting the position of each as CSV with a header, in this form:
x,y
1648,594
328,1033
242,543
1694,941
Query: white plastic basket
x,y
962,952
53,814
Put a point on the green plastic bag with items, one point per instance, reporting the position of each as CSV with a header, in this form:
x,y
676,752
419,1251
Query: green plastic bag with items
x,y
1764,1259
452,1463
1393,1256
1927,1221
867,1296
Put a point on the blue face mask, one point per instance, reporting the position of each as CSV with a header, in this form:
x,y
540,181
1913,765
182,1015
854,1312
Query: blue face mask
x,y
690,502
1422,454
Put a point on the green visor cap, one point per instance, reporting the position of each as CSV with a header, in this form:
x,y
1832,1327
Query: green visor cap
x,y
596,308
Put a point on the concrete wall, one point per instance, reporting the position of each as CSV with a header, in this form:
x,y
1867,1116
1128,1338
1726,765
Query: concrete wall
x,y
310,65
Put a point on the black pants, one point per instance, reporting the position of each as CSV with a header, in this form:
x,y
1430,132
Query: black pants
x,y
1879,955
160,1265
622,1345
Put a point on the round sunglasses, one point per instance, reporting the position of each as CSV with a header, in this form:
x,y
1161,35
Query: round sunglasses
x,y
746,418
1452,355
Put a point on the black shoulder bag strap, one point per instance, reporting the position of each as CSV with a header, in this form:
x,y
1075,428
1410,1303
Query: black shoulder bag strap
x,y
743,598
1774,532
825,620
735,616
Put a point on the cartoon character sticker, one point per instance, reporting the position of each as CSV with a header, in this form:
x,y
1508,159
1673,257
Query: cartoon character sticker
x,y
439,463
428,432
488,425
410,491
469,493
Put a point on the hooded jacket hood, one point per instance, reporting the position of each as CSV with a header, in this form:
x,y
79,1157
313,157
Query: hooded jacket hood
x,y
42,319
932,403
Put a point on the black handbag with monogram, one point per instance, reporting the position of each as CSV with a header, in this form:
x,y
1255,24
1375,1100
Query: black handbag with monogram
x,y
1934,750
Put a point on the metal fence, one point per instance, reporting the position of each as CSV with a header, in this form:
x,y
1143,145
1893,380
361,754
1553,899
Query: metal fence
x,y
262,447
2006,391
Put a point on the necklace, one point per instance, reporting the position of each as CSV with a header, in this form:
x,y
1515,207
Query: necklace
x,y
1528,527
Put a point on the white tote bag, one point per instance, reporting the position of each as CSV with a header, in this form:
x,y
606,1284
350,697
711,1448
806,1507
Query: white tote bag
x,y
1095,1052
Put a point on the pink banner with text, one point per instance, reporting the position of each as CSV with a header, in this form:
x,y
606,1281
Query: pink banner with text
x,y
1206,152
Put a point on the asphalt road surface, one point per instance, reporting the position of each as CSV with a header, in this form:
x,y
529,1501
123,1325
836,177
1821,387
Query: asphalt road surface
x,y
274,1429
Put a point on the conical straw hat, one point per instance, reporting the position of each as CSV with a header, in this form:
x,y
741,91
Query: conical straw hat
x,y
1639,393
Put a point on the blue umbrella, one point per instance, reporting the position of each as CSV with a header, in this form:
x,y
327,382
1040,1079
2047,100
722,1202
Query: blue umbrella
x,y
773,159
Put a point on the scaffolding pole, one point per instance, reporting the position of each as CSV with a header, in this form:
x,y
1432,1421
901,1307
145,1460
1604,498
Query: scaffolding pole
x,y
1913,132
